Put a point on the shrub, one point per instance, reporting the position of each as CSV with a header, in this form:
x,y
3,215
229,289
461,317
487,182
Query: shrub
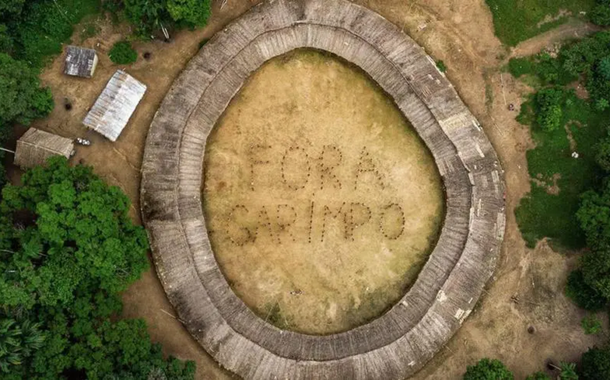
x,y
595,364
594,216
582,294
549,102
591,325
488,369
568,371
122,53
441,66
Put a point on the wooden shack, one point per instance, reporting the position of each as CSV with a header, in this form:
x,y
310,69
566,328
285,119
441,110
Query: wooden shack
x,y
114,107
36,146
80,62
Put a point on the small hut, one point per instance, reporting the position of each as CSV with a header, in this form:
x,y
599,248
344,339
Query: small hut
x,y
112,110
36,146
80,62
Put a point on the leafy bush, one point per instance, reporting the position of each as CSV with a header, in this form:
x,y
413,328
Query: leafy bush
x,y
441,66
591,325
122,53
595,364
488,369
594,217
549,102
568,371
582,294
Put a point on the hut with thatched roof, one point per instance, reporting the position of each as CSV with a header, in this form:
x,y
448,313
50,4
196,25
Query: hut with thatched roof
x,y
36,146
80,62
112,110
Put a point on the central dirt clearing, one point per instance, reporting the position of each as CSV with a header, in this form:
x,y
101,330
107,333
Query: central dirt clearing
x,y
321,200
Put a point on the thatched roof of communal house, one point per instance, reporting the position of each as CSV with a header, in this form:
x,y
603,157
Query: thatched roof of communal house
x,y
398,343
80,62
112,110
36,146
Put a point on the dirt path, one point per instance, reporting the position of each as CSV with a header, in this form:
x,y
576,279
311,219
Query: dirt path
x,y
573,30
460,32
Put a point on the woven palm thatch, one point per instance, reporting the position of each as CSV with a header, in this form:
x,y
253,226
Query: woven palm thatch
x,y
401,341
35,146
112,110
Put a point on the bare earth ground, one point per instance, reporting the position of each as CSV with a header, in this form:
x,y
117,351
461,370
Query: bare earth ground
x,y
321,200
460,32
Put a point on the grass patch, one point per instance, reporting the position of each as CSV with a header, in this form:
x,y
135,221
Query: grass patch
x,y
89,30
540,70
521,66
519,20
542,214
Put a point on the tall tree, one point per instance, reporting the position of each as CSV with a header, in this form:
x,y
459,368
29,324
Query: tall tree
x,y
190,12
21,97
67,248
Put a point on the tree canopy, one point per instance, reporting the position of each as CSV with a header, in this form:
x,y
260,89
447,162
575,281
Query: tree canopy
x,y
149,15
595,364
21,97
190,12
67,248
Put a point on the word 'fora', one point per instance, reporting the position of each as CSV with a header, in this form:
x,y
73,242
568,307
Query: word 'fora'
x,y
299,167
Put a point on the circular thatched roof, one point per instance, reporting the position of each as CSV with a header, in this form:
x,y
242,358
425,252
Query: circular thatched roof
x,y
396,344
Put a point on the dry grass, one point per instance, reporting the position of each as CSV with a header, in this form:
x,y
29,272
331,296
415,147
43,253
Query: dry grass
x,y
322,272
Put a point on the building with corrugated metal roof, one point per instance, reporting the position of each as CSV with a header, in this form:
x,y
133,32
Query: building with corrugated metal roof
x,y
114,107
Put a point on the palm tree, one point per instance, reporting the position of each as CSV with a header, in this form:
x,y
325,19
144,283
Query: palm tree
x,y
9,344
18,341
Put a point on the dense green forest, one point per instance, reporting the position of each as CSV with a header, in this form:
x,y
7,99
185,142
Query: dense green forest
x,y
67,246
67,250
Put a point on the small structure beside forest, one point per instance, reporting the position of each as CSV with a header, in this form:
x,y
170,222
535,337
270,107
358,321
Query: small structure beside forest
x,y
112,110
36,146
80,62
